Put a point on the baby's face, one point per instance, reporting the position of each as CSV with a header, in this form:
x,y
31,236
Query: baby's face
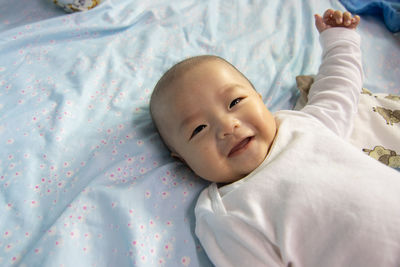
x,y
217,123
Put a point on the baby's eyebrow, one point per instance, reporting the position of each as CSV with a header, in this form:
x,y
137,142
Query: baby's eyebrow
x,y
230,87
187,120
233,88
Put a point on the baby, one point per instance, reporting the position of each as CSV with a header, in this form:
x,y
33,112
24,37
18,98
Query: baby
x,y
287,189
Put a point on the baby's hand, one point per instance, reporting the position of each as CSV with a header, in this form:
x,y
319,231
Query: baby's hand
x,y
336,18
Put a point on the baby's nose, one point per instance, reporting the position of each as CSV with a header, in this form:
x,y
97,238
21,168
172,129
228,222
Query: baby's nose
x,y
227,126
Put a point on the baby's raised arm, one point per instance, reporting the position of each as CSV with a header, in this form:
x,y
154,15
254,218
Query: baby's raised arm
x,y
336,18
333,97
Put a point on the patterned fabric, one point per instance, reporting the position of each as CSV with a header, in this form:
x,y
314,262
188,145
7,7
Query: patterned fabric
x,y
84,177
377,127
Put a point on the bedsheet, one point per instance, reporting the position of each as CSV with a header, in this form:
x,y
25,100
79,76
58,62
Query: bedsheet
x,y
84,177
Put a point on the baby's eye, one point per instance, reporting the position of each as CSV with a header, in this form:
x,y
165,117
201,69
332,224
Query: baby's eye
x,y
235,102
198,130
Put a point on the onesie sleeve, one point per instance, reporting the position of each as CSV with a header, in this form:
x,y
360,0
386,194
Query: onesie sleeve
x,y
333,97
229,241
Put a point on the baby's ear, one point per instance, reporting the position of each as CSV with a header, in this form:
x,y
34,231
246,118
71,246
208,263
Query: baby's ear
x,y
177,156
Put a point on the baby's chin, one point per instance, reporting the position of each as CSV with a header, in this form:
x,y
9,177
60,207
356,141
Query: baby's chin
x,y
227,178
235,168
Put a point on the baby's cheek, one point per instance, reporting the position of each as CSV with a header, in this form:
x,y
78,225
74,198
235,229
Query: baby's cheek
x,y
197,162
206,166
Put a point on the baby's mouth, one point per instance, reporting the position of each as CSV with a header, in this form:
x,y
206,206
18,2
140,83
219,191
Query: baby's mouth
x,y
241,146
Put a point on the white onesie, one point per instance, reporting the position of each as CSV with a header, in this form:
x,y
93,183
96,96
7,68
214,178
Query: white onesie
x,y
315,200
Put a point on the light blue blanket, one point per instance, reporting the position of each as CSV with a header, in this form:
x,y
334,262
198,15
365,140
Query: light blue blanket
x,y
84,177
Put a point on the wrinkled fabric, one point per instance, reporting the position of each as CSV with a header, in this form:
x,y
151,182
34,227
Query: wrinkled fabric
x,y
386,10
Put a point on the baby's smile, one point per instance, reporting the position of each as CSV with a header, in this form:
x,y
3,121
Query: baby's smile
x,y
240,147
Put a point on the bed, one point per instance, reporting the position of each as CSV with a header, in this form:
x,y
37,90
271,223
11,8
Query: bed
x,y
84,178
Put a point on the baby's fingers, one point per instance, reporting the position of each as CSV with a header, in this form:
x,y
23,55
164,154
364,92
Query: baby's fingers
x,y
328,14
333,18
354,22
347,19
319,23
338,17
